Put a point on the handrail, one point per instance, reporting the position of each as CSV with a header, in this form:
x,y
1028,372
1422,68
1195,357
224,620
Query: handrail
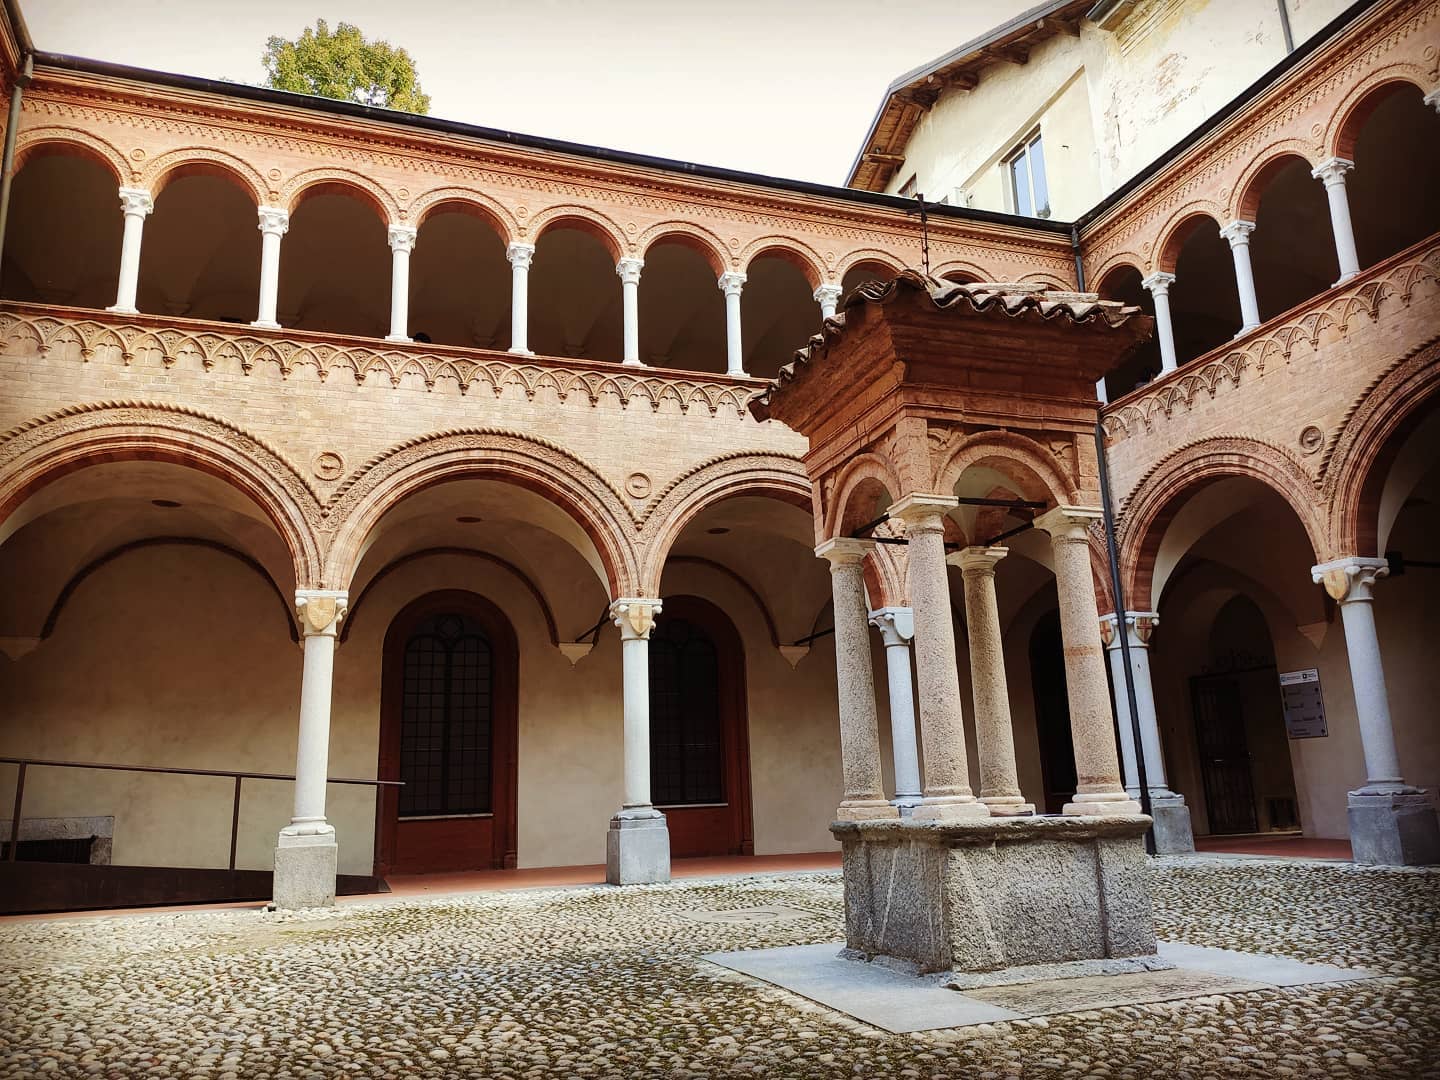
x,y
238,777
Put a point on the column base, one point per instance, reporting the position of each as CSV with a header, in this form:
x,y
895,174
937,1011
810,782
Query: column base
x,y
1394,830
866,810
906,804
950,808
400,339
265,325
1101,804
736,373
632,363
1173,834
637,848
1008,806
118,310
305,869
521,352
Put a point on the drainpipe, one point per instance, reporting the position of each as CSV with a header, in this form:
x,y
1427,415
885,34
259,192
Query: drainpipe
x,y
7,160
1116,589
1285,26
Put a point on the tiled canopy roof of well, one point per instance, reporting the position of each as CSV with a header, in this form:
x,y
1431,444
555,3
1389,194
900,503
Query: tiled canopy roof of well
x,y
1018,300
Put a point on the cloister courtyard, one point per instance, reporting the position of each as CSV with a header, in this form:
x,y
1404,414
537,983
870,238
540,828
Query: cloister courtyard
x,y
605,982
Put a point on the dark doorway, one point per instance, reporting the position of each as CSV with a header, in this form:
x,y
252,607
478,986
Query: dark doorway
x,y
1219,708
1052,712
448,731
699,748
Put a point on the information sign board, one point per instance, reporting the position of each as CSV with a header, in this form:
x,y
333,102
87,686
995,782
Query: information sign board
x,y
1303,703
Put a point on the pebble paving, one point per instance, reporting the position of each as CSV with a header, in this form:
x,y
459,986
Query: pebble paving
x,y
608,984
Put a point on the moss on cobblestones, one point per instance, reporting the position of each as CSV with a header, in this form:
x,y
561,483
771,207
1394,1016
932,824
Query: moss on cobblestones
x,y
608,983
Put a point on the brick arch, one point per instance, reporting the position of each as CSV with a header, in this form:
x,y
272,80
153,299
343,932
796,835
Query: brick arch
x,y
489,210
773,475
852,259
1165,488
1249,189
582,219
544,468
1362,99
48,447
857,481
1376,425
341,182
799,255
699,240
1120,260
1179,228
71,142
1024,461
961,268
197,161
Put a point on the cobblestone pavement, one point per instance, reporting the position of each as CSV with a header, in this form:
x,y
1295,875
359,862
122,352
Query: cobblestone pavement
x,y
604,983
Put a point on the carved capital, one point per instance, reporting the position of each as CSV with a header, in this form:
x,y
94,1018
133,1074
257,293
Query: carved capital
x,y
923,513
1433,99
896,625
520,255
136,202
1140,624
827,295
977,561
1238,232
844,551
635,616
1350,579
1159,283
274,221
629,269
321,610
402,238
1332,171
731,282
1068,523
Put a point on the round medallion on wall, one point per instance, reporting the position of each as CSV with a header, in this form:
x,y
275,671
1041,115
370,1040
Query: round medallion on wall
x,y
273,174
1316,130
1311,439
328,465
137,154
637,485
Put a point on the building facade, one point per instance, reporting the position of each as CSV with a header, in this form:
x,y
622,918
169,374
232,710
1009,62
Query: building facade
x,y
329,427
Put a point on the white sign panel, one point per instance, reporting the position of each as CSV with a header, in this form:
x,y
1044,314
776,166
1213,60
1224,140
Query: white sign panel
x,y
1303,703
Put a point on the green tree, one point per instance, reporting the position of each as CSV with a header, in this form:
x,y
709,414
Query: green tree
x,y
341,64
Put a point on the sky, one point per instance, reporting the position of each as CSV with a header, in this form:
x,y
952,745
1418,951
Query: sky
x,y
777,87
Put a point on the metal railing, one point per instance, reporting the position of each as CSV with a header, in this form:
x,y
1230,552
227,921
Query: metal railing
x,y
238,777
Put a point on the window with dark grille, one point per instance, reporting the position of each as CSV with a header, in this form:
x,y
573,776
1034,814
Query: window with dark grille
x,y
446,734
686,739
66,850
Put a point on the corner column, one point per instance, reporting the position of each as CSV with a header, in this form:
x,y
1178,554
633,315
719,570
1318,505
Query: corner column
x,y
1173,833
859,730
827,296
994,735
629,269
1238,234
942,719
1159,286
1391,822
637,847
731,283
274,223
137,205
1332,173
1097,768
402,242
897,629
520,256
306,856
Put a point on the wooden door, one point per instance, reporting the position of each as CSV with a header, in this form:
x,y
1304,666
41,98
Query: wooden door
x,y
699,754
1219,709
448,733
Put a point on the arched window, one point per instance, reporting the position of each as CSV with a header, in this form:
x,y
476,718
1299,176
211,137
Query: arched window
x,y
687,736
446,731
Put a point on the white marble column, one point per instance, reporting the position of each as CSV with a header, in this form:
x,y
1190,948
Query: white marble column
x,y
827,296
1332,172
942,719
731,283
402,242
629,270
637,848
897,629
520,256
274,223
1391,822
306,855
855,681
137,205
1238,234
994,733
1097,767
1173,833
1159,286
